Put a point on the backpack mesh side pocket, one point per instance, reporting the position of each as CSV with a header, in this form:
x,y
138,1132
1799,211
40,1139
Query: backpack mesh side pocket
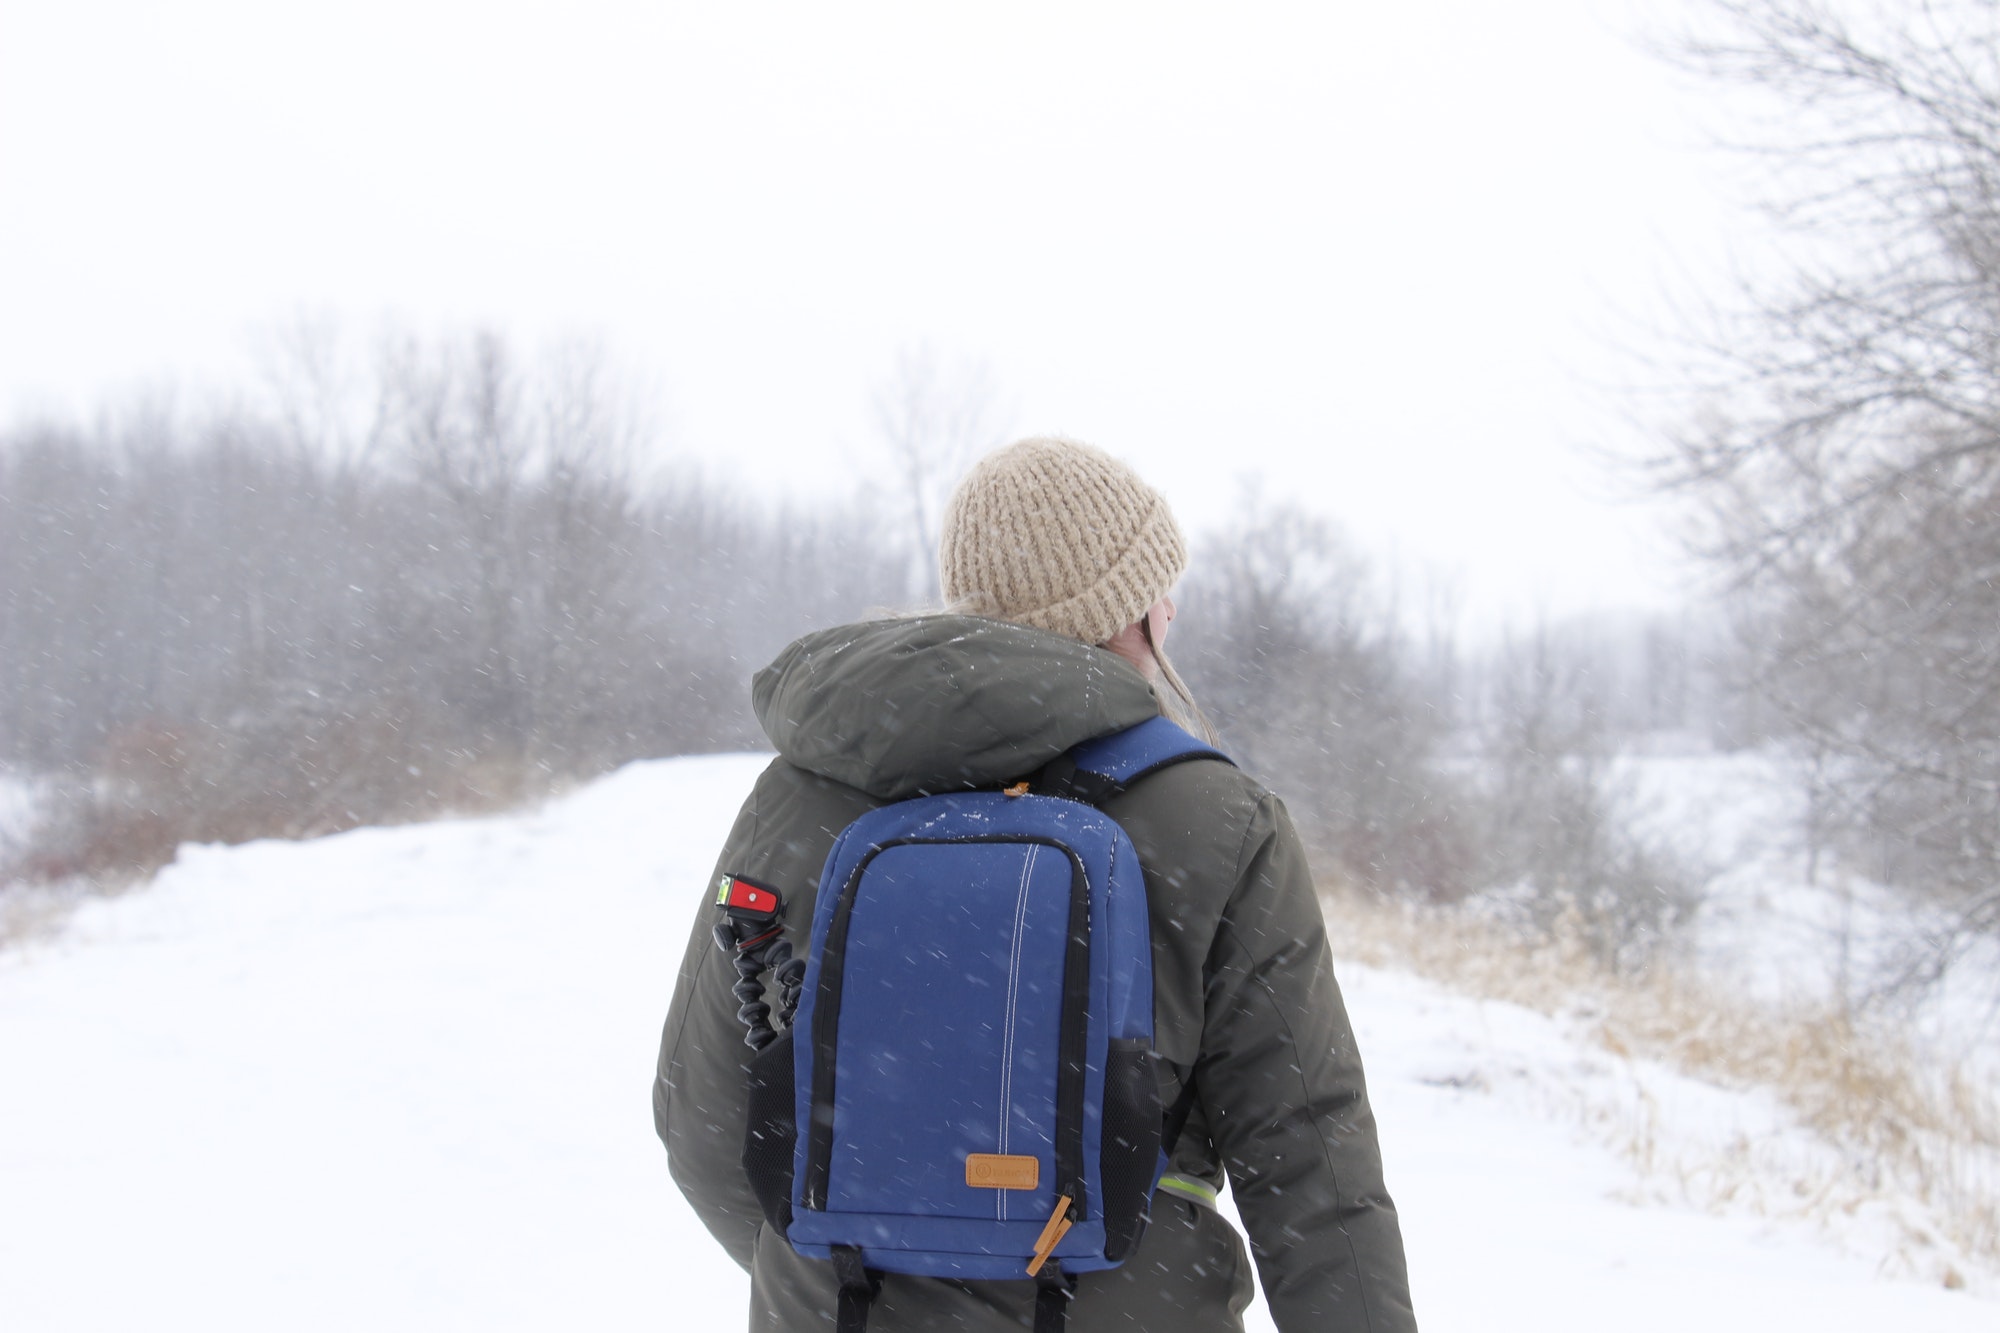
x,y
1130,1157
771,1131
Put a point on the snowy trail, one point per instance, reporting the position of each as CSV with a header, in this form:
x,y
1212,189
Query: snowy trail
x,y
398,1079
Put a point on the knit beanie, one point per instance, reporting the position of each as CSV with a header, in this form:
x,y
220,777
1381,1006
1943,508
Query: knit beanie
x,y
1060,536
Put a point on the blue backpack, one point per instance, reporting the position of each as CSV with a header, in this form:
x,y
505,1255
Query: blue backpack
x,y
965,1087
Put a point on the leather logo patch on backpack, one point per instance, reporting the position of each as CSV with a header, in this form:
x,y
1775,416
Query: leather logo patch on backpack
x,y
997,1171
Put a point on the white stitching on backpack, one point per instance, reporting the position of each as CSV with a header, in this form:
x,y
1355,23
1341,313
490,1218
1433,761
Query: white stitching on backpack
x,y
1007,1034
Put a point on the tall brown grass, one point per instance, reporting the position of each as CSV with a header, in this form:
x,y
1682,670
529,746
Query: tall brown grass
x,y
156,786
1900,1119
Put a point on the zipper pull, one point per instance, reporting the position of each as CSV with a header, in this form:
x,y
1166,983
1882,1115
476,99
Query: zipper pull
x,y
1058,1226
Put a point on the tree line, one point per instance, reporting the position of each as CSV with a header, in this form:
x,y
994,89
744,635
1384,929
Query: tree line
x,y
451,586
247,632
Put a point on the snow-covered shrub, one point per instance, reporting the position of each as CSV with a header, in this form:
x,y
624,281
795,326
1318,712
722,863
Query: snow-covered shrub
x,y
1558,847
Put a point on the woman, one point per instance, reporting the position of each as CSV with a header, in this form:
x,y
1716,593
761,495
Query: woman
x,y
1057,562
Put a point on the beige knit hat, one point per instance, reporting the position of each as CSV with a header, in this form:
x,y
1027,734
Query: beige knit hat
x,y
1058,535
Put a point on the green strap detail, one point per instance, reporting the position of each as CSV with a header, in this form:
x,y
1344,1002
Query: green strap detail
x,y
1188,1187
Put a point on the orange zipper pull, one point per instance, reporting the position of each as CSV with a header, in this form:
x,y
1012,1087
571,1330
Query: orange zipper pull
x,y
1052,1234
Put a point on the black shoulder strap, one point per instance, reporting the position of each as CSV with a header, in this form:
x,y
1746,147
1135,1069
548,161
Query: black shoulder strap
x,y
858,1288
1053,1291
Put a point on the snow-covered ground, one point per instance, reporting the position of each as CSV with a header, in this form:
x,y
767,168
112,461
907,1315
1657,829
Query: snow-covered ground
x,y
398,1079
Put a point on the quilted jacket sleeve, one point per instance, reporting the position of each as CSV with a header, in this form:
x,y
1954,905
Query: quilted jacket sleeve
x,y
699,1089
1282,1091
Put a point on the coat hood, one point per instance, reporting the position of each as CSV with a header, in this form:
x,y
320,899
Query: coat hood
x,y
941,703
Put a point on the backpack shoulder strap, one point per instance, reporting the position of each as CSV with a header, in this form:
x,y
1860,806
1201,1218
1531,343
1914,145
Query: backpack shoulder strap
x,y
1103,767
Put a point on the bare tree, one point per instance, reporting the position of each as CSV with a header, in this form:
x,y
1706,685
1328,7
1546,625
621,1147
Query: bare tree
x,y
1305,669
933,423
1306,664
1848,460
1557,847
437,584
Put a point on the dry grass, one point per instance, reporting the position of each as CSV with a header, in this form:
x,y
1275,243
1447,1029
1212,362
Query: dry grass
x,y
32,913
157,787
1898,1124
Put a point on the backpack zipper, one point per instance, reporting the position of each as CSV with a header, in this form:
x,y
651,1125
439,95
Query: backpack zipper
x,y
1058,1226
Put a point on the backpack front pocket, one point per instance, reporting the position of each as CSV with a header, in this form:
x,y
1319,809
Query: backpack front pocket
x,y
949,1034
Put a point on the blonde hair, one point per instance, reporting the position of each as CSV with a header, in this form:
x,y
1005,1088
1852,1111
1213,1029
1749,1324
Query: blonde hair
x,y
1178,703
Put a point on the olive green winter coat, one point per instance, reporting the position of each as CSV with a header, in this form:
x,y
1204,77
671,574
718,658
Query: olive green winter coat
x,y
1245,1001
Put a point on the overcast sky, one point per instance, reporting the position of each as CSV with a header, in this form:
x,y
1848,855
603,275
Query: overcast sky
x,y
1382,255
